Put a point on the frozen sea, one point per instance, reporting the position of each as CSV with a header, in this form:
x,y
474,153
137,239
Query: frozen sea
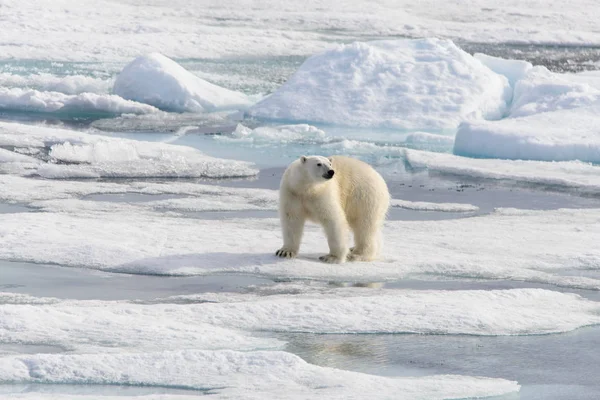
x,y
138,200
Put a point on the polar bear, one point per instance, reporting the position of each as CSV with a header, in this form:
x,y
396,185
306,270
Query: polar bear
x,y
338,193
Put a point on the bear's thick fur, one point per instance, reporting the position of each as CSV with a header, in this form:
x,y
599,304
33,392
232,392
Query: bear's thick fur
x,y
338,193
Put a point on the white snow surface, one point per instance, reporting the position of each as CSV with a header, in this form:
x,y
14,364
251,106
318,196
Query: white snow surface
x,y
80,326
255,375
540,90
575,175
489,247
70,84
428,206
32,100
157,80
72,154
91,30
424,83
572,134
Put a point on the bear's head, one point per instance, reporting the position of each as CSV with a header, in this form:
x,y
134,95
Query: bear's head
x,y
316,168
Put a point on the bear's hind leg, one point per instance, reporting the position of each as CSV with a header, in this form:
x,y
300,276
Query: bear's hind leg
x,y
366,243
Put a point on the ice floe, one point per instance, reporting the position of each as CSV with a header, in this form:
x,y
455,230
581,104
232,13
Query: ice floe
x,y
45,82
31,100
157,80
69,154
425,83
114,327
574,175
488,247
231,374
571,134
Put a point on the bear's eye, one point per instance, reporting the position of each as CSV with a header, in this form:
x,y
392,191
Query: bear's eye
x,y
319,164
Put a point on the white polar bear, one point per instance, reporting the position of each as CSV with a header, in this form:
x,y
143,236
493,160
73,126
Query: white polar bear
x,y
336,192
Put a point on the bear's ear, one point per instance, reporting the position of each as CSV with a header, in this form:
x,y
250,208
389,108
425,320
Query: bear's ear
x,y
303,159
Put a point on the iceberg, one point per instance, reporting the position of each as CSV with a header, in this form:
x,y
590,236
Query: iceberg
x,y
159,81
407,84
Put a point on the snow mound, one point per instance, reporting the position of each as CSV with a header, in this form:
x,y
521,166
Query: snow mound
x,y
513,70
550,136
61,153
33,100
425,83
235,375
157,80
540,90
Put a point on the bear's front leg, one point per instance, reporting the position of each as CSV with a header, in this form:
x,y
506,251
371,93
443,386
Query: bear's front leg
x,y
292,219
337,235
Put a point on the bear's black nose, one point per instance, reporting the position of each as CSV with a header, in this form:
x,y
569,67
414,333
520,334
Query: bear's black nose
x,y
330,173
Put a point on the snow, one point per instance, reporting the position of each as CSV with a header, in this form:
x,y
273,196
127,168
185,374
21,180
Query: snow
x,y
549,136
72,154
513,70
489,247
70,84
278,134
116,327
157,80
574,175
32,100
255,375
424,83
426,206
543,91
103,30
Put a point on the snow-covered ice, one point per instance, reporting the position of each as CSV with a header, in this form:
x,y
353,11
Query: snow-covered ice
x,y
427,206
573,175
489,247
157,80
65,153
571,134
425,83
70,84
552,117
18,99
254,375
102,30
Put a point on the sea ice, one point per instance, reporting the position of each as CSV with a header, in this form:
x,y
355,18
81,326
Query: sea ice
x,y
64,153
489,247
157,80
567,174
102,30
249,375
45,82
571,134
32,100
425,83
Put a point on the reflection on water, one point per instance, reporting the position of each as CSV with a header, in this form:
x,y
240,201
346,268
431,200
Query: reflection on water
x,y
544,365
